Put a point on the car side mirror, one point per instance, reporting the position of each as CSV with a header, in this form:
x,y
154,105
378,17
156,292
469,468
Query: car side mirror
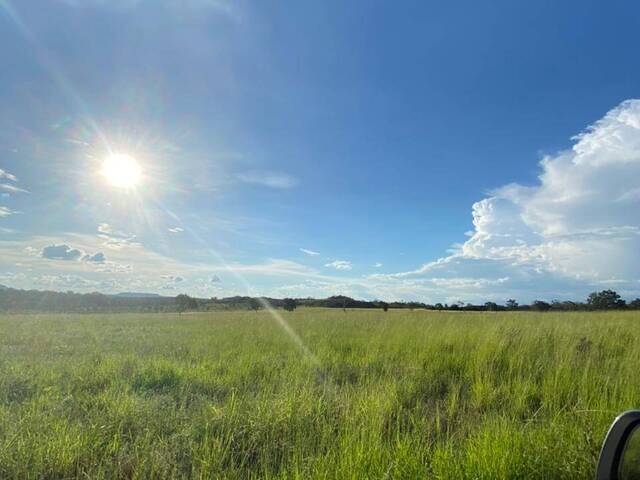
x,y
620,454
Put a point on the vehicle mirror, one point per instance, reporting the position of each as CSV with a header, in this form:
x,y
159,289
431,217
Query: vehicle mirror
x,y
620,454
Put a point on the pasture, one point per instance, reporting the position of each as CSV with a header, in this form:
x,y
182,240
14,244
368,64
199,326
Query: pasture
x,y
391,395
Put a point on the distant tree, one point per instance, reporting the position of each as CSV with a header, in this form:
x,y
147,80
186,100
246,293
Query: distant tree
x,y
540,306
385,306
491,306
254,304
635,304
184,302
605,300
289,304
438,306
511,304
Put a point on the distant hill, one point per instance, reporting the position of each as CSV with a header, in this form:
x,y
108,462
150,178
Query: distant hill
x,y
137,295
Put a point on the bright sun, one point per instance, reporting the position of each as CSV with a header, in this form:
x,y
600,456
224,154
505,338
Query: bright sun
x,y
121,170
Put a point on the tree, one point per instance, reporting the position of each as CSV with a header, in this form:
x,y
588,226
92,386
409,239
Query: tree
x,y
605,300
540,306
635,304
184,302
254,304
289,304
385,306
511,304
491,306
438,306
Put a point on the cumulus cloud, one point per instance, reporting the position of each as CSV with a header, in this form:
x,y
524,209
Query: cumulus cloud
x,y
98,257
311,253
269,179
340,265
577,228
61,252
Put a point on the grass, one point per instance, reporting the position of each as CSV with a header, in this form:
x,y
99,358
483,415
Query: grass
x,y
386,396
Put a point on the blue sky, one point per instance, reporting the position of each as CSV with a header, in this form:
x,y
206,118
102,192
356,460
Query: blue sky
x,y
411,150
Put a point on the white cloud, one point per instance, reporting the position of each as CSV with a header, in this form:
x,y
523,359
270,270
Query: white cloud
x,y
7,175
115,239
340,265
6,211
269,179
576,229
176,230
311,253
12,188
378,265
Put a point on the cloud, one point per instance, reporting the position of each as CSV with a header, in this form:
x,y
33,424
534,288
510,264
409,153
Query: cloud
x,y
98,257
340,265
172,278
269,179
311,253
7,175
12,188
6,211
576,229
215,279
114,239
176,230
105,228
61,252
378,265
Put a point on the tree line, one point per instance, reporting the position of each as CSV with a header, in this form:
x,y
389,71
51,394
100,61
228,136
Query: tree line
x,y
15,300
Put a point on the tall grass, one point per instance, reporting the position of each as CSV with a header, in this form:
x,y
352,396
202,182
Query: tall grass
x,y
396,395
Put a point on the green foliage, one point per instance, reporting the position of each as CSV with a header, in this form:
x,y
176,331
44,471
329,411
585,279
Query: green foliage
x,y
289,304
605,300
231,395
184,303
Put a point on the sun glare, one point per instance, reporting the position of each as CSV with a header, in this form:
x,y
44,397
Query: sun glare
x,y
121,171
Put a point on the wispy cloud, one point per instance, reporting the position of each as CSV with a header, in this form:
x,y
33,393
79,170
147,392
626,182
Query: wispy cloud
x,y
6,211
7,175
311,253
268,179
176,230
12,188
340,265
378,265
115,239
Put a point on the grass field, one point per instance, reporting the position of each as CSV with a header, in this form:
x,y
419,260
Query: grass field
x,y
396,395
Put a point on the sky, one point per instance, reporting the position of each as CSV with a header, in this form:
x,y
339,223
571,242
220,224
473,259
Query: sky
x,y
433,151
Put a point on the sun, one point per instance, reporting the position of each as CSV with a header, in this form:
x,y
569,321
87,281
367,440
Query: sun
x,y
120,170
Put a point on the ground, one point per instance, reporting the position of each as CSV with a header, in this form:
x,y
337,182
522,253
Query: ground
x,y
365,394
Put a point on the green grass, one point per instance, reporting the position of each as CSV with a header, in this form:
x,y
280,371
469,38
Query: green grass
x,y
386,396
